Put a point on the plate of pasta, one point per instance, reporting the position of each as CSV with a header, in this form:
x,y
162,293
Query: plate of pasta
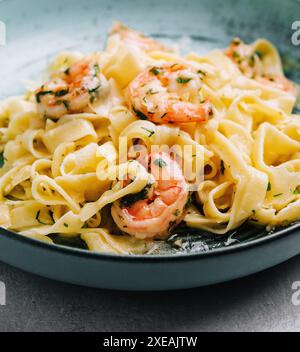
x,y
143,157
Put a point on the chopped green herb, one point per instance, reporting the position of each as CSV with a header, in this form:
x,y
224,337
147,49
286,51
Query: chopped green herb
x,y
176,212
130,199
251,60
155,71
269,187
278,195
140,115
94,93
151,133
259,54
2,159
97,69
40,94
183,80
67,71
94,90
66,225
189,201
200,72
296,191
61,92
160,162
236,55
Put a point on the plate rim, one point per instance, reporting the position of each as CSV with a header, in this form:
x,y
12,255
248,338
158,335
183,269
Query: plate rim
x,y
73,251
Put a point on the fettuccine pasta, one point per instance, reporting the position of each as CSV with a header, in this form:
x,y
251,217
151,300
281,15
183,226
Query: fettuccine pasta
x,y
122,146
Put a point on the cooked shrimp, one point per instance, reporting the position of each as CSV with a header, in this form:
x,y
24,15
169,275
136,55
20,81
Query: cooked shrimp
x,y
250,64
158,208
169,94
135,38
71,91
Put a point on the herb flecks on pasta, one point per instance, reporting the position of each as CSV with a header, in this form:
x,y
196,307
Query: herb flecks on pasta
x,y
121,146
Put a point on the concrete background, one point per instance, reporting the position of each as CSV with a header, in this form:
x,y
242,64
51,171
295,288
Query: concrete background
x,y
260,302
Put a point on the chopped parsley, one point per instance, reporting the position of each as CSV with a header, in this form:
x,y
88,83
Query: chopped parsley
x,y
140,115
189,201
259,54
251,60
41,94
236,55
269,187
155,71
130,199
176,212
160,162
97,69
2,159
94,90
61,92
296,191
278,195
200,72
66,225
183,80
151,133
94,93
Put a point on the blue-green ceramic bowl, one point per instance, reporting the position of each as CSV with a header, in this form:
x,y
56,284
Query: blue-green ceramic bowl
x,y
37,30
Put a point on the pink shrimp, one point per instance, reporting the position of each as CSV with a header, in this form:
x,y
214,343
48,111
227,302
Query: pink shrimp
x,y
70,91
249,62
158,208
135,38
169,94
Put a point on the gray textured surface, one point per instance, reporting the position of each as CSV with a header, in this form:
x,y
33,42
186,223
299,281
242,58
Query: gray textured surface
x,y
261,302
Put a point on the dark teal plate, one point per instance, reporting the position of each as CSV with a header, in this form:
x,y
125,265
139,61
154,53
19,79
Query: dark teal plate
x,y
36,31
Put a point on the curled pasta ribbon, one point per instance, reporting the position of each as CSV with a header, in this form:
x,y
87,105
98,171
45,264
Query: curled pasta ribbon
x,y
100,240
69,225
15,183
277,155
137,173
245,179
46,191
71,131
33,142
